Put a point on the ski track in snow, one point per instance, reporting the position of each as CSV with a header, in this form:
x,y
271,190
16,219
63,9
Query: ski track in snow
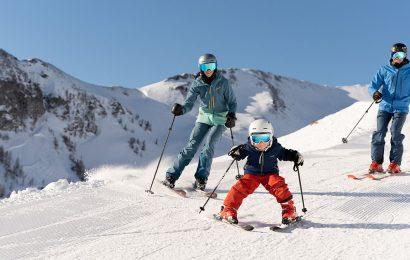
x,y
112,217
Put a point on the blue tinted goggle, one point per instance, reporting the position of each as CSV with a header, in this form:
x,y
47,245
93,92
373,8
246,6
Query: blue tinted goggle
x,y
257,138
208,66
399,55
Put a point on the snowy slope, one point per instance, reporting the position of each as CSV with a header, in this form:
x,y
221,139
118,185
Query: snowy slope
x,y
111,217
289,103
357,92
54,126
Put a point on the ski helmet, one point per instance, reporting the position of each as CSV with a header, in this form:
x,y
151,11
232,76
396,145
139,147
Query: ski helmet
x,y
207,58
260,126
398,47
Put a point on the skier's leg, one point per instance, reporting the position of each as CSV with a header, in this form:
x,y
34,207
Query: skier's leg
x,y
242,188
186,155
377,145
397,137
207,153
277,186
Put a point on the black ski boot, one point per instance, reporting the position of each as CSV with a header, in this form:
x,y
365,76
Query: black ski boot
x,y
169,182
199,184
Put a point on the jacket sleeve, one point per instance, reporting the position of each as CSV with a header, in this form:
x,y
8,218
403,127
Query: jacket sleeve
x,y
190,98
230,97
377,82
287,154
243,151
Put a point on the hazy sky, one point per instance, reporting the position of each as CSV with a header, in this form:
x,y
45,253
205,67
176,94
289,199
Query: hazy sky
x,y
135,43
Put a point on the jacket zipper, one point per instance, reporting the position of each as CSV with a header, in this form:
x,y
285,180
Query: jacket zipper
x,y
395,87
261,161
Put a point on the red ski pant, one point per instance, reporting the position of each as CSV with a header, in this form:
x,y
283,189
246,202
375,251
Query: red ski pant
x,y
273,183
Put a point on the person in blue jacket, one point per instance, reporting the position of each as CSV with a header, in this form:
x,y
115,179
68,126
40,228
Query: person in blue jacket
x,y
216,112
391,87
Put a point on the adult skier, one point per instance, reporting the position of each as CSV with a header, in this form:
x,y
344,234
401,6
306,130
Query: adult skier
x,y
216,112
262,152
394,106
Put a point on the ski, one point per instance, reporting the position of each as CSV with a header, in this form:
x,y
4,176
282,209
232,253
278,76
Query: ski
x,y
178,191
371,176
245,227
357,177
205,193
378,176
282,227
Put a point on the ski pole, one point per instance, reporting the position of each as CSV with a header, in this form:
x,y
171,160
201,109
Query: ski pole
x,y
296,169
160,158
210,195
344,139
238,176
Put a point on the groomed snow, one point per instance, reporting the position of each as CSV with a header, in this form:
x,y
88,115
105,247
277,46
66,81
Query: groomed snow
x,y
111,216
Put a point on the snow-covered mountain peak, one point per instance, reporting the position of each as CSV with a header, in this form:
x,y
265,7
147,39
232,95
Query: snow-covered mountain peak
x,y
288,103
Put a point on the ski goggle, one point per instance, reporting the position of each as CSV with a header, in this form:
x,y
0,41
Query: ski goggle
x,y
399,55
208,66
263,137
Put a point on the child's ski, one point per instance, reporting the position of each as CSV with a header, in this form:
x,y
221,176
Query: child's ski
x,y
282,227
239,225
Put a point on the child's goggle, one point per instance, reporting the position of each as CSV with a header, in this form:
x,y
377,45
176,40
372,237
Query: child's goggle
x,y
208,66
257,138
399,55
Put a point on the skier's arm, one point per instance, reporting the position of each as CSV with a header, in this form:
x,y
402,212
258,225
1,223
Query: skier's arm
x,y
190,98
376,83
230,98
290,155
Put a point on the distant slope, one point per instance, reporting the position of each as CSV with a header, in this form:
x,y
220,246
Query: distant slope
x,y
289,104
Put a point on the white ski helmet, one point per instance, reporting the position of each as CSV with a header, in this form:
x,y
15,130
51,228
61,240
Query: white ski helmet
x,y
260,126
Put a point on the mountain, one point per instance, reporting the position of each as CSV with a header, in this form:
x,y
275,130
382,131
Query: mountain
x,y
289,104
55,126
111,216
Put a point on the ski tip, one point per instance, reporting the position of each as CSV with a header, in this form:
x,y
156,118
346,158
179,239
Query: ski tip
x,y
370,176
351,176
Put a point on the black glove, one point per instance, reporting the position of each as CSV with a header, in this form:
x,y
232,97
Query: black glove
x,y
177,109
377,96
236,152
298,159
230,120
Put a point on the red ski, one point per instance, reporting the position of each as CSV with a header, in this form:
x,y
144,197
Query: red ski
x,y
377,176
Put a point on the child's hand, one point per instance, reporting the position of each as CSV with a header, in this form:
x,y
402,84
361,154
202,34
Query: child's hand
x,y
299,159
235,152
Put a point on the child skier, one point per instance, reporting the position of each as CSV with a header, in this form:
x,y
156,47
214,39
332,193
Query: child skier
x,y
262,151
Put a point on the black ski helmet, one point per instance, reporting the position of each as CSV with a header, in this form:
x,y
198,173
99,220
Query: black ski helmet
x,y
207,58
398,47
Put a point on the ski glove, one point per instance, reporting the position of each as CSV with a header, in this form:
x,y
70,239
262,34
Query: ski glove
x,y
377,96
230,120
298,159
237,152
177,109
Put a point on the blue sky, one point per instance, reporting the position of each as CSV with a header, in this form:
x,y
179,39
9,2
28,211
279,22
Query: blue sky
x,y
135,43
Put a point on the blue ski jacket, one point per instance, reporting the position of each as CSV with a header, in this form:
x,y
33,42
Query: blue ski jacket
x,y
266,162
216,99
396,88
